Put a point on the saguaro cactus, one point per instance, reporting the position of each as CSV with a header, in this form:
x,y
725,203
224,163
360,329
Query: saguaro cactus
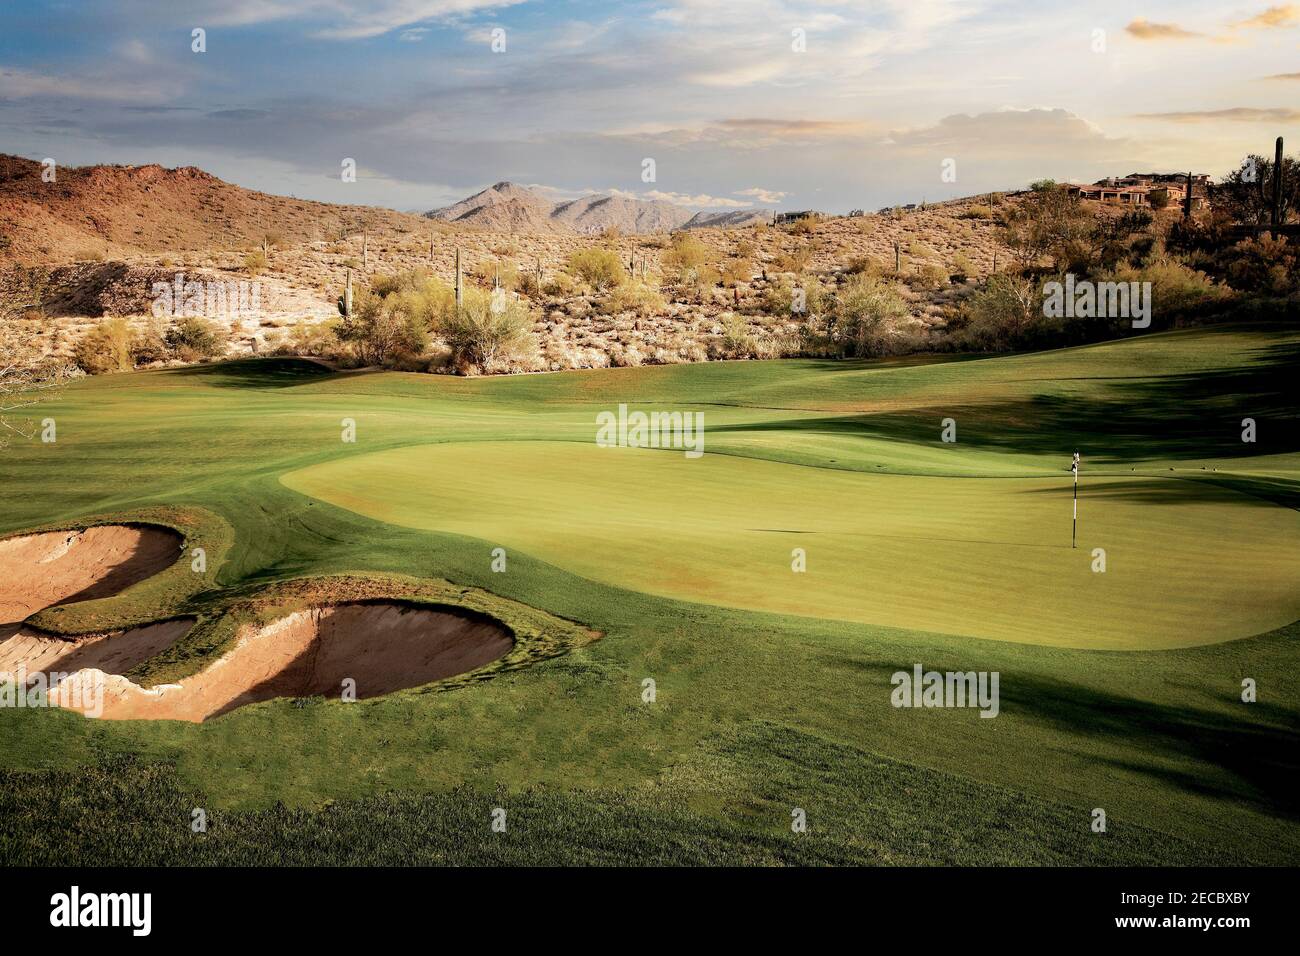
x,y
345,300
458,283
1276,214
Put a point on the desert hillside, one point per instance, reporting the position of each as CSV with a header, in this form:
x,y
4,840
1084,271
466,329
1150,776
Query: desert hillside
x,y
103,241
108,212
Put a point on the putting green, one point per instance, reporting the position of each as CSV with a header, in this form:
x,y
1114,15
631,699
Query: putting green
x,y
1186,563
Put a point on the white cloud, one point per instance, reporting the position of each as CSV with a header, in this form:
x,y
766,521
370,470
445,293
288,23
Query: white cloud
x,y
768,196
686,199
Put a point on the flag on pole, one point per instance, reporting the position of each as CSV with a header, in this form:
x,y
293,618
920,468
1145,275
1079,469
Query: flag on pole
x,y
1074,527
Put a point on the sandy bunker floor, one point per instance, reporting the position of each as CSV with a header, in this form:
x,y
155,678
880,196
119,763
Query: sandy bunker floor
x,y
113,653
59,567
382,646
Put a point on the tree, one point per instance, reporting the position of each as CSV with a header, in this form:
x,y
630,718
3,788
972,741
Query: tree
x,y
1001,315
395,315
602,269
192,338
1051,222
1247,192
105,348
487,331
862,309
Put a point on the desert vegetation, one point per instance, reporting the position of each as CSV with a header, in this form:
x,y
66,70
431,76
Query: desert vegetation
x,y
966,275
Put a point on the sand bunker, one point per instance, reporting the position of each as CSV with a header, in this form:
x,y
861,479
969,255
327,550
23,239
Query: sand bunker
x,y
59,567
381,646
27,649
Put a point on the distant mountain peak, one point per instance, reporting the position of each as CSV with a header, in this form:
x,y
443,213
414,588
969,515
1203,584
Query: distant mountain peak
x,y
509,207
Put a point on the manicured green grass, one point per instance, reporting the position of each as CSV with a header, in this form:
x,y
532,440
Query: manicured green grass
x,y
926,553
756,713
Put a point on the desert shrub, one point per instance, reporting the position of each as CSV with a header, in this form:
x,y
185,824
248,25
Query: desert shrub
x,y
89,255
561,285
487,333
312,338
602,269
255,262
1177,291
394,315
736,271
498,272
690,265
105,348
805,225
1051,223
796,260
1263,264
633,296
865,265
977,211
962,266
686,259
149,345
190,339
928,275
530,284
862,309
625,355
779,297
736,342
999,316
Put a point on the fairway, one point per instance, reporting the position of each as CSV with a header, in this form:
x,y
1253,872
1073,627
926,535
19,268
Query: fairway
x,y
975,557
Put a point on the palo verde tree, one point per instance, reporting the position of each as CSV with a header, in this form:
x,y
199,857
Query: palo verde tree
x,y
1246,193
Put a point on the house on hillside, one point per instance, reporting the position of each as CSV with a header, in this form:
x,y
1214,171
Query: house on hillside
x,y
1147,189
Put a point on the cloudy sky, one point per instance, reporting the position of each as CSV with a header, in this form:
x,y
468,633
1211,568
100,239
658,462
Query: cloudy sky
x,y
816,104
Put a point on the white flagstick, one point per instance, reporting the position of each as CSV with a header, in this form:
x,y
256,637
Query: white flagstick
x,y
1074,529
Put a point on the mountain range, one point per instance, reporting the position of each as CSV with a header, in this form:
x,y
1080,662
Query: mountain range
x,y
115,212
509,207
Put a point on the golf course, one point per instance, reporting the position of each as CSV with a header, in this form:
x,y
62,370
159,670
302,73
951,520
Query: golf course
x,y
700,647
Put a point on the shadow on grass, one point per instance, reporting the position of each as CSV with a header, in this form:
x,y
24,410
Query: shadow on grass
x,y
255,373
1257,756
1178,416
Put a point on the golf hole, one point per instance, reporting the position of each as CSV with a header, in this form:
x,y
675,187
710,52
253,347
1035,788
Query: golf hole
x,y
60,567
371,648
